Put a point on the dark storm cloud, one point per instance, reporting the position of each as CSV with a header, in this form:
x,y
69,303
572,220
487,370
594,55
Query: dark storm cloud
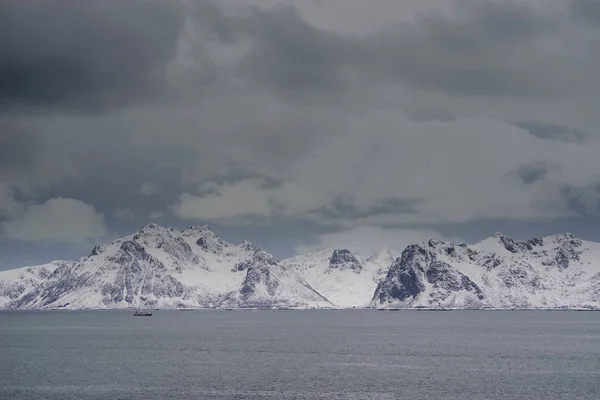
x,y
482,51
91,55
488,49
84,54
26,160
553,132
290,54
476,53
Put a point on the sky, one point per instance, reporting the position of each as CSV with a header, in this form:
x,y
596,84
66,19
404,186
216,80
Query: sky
x,y
296,124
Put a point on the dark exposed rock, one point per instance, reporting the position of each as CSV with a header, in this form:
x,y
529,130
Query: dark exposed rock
x,y
566,252
445,277
206,244
405,278
516,246
242,266
179,250
246,245
491,262
343,260
202,243
520,276
418,267
259,275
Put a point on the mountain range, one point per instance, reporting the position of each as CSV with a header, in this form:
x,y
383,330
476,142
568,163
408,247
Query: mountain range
x,y
159,267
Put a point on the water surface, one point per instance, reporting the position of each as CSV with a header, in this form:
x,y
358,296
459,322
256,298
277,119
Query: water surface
x,y
363,354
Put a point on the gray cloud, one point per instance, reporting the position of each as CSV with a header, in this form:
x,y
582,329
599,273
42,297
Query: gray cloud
x,y
78,221
343,207
553,132
532,172
586,10
292,55
26,161
583,200
16,148
486,50
263,116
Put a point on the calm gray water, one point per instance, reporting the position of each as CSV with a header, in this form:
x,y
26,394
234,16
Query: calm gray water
x,y
300,355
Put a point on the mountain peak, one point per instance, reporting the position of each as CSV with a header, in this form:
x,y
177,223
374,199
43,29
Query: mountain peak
x,y
343,259
261,256
192,230
246,245
151,227
562,236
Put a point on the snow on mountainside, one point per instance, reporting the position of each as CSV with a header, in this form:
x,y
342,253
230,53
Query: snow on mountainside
x,y
14,283
557,271
155,267
268,284
345,279
158,267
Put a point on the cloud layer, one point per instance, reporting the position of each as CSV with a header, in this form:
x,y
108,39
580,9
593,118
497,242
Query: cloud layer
x,y
275,113
368,239
58,220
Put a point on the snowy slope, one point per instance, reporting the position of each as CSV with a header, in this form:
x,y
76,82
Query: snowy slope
x,y
345,279
155,267
159,267
557,271
14,283
269,285
162,268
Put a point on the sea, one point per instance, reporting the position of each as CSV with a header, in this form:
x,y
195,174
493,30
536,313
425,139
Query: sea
x,y
313,354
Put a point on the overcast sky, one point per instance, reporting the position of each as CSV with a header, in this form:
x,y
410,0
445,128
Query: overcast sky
x,y
296,124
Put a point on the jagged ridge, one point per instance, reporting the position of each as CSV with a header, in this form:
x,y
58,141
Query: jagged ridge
x,y
154,267
167,268
558,271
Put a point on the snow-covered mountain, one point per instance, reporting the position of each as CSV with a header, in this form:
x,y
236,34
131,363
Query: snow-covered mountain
x,y
159,267
155,267
557,271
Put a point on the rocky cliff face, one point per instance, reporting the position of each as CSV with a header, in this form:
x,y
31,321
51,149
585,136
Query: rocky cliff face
x,y
344,260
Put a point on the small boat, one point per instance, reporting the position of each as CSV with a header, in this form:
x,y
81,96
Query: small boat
x,y
138,313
